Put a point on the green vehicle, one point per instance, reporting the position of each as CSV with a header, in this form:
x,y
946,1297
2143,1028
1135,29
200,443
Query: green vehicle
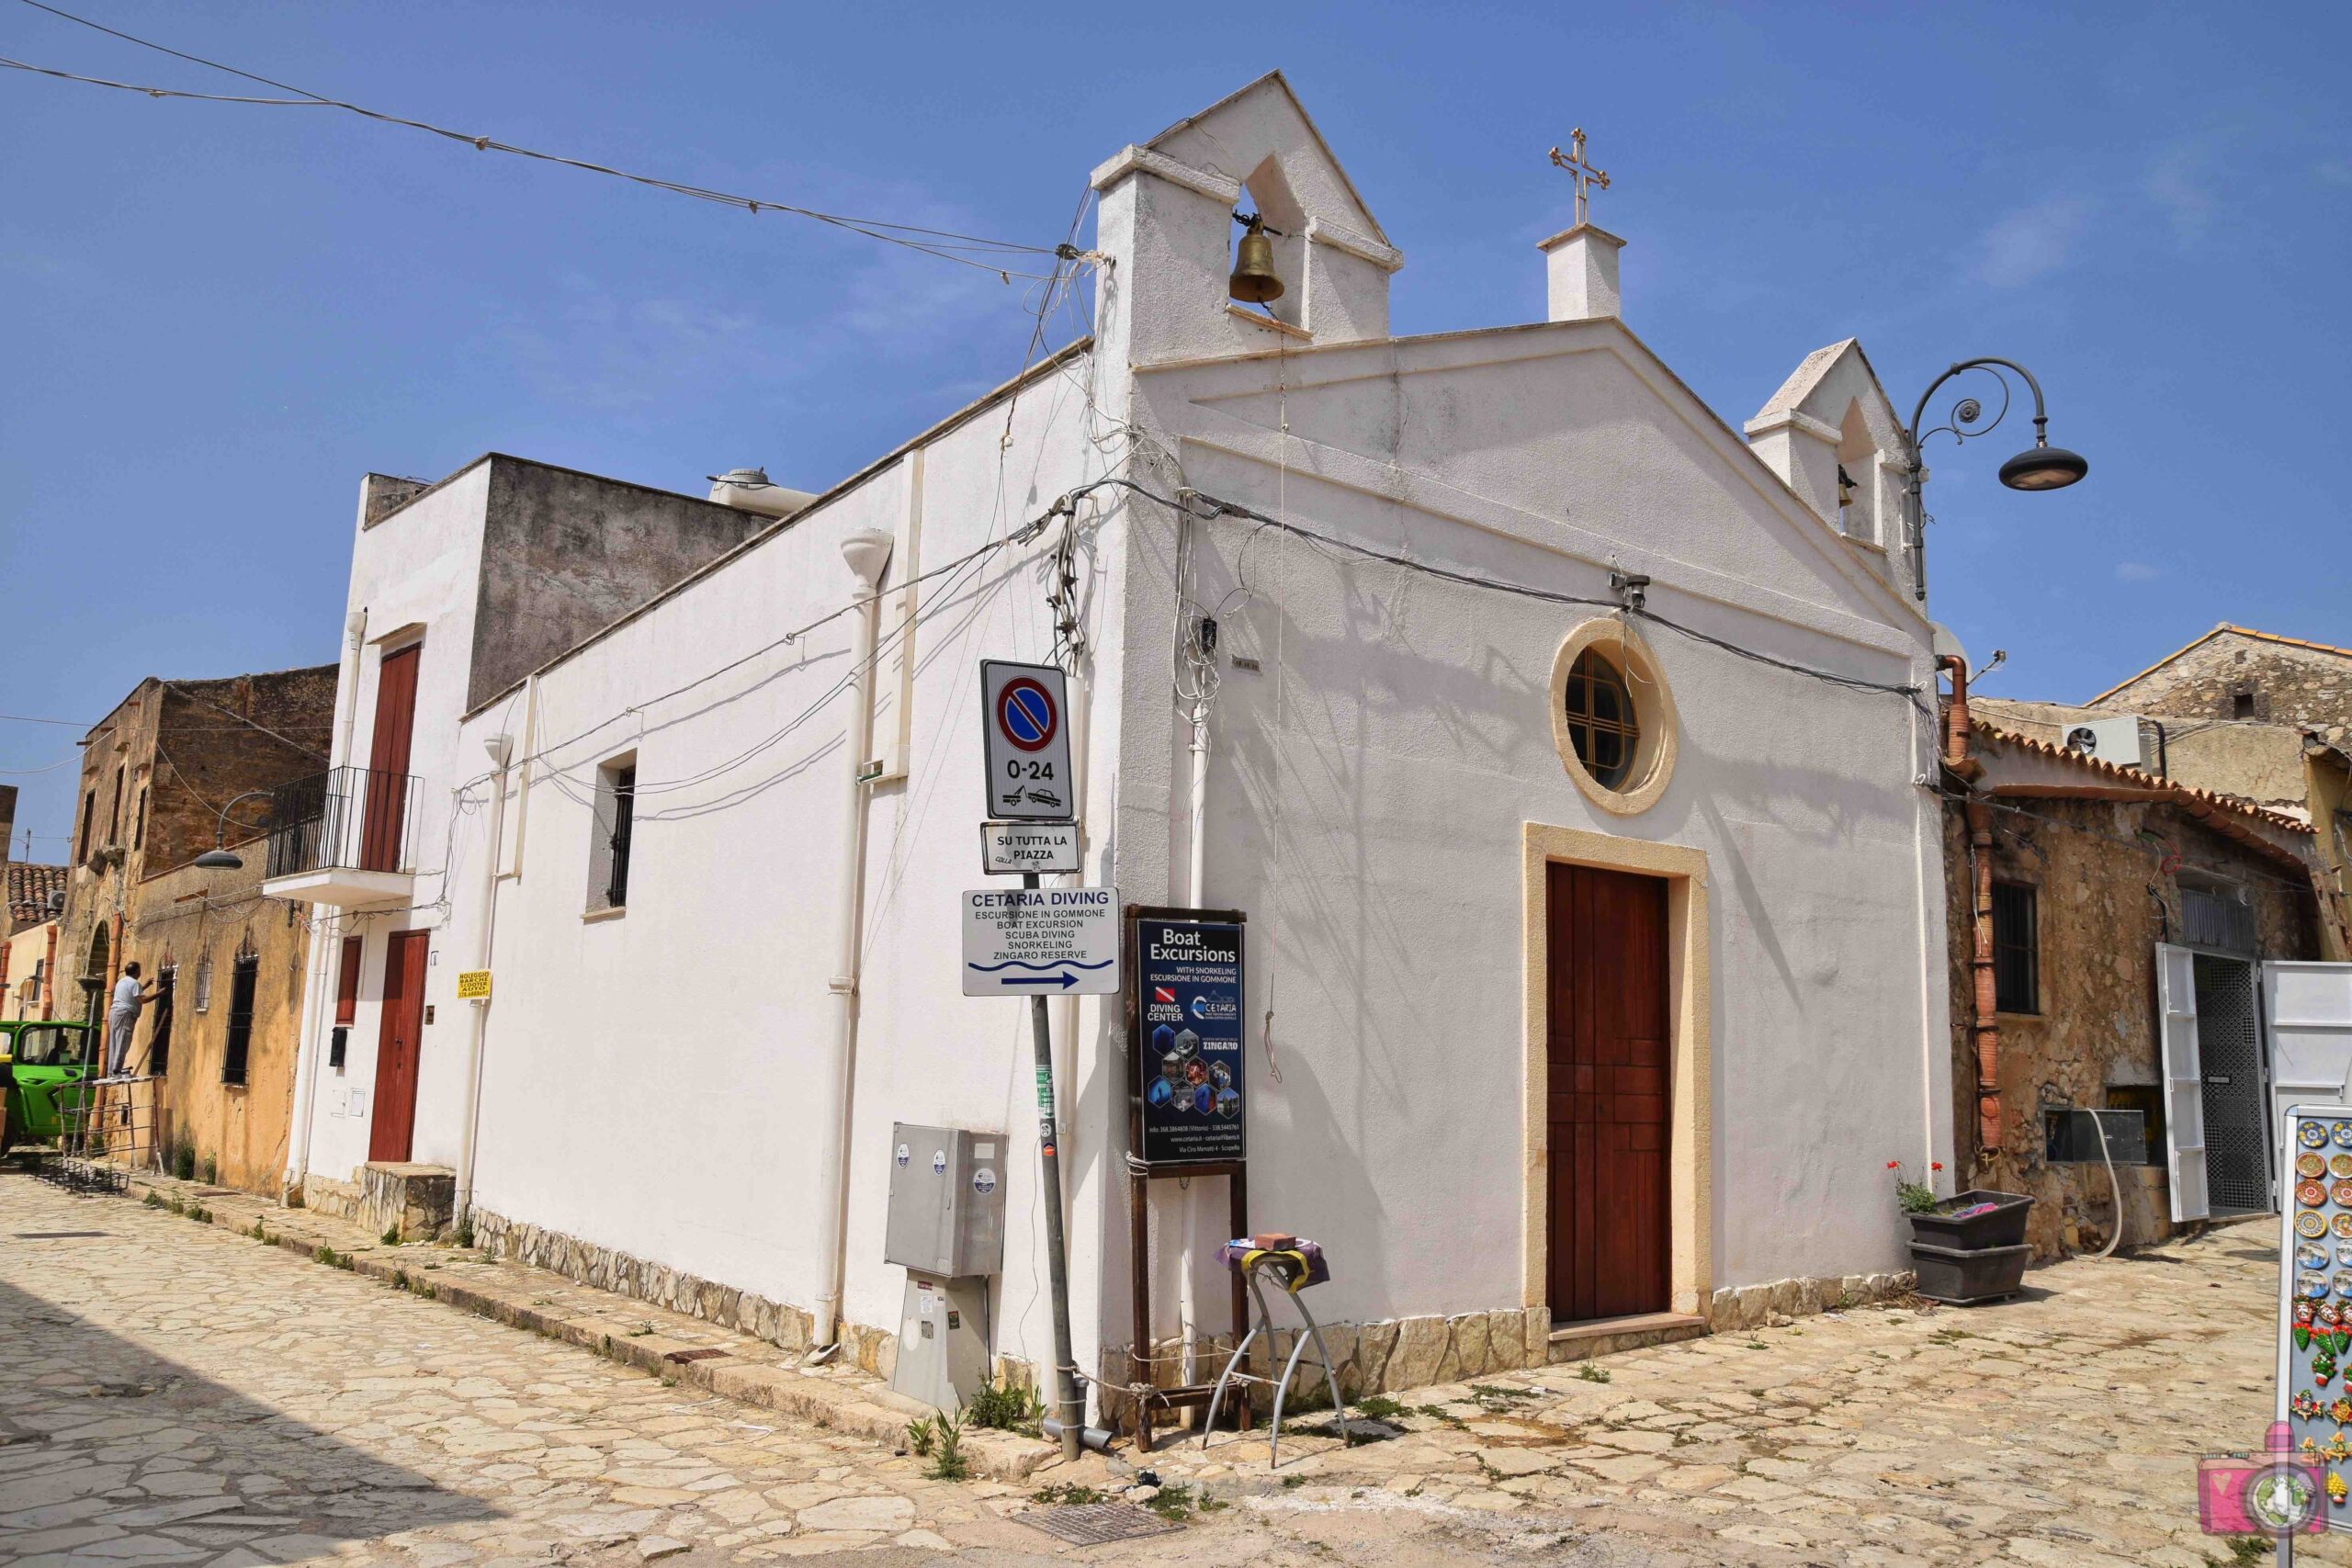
x,y
45,1058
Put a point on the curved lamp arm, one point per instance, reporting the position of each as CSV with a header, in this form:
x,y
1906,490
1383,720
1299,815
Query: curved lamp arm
x,y
219,856
2043,467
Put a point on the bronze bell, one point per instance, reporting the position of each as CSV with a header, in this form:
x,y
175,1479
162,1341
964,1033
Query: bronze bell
x,y
1253,281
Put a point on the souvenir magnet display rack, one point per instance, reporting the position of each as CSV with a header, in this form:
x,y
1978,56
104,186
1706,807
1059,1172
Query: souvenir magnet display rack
x,y
2315,1302
1212,1040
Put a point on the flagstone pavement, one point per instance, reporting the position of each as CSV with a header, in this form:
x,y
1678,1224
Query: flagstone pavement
x,y
171,1393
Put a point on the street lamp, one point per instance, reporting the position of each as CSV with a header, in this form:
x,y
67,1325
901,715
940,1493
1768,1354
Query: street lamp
x,y
220,857
2038,467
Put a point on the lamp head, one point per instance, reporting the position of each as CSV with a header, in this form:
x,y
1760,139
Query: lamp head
x,y
219,860
2043,467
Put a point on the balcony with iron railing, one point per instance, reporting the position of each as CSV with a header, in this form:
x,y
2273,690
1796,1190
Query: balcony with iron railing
x,y
344,836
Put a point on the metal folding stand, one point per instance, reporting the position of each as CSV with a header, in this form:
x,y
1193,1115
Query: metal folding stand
x,y
1149,1398
1282,1269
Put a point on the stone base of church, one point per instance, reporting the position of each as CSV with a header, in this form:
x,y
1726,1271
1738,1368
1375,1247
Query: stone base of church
x,y
779,1323
1753,1306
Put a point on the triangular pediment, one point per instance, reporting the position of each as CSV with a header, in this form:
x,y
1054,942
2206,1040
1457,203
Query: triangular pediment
x,y
1234,136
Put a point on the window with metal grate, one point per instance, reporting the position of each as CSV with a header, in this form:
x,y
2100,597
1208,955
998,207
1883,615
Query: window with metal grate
x,y
2017,949
243,976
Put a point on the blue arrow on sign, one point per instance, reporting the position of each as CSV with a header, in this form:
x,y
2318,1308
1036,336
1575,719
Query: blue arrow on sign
x,y
1064,979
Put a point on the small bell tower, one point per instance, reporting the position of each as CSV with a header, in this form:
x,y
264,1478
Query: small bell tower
x,y
1310,264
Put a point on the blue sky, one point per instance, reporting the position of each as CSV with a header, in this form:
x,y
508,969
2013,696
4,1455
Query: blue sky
x,y
218,318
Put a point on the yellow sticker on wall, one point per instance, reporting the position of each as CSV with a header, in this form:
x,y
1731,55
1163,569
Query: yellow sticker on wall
x,y
473,985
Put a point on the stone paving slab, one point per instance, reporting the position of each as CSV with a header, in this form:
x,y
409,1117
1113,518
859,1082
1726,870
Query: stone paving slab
x,y
170,1394
650,1339
2062,1427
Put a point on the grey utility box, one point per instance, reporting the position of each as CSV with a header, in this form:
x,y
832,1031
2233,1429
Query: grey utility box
x,y
947,1229
946,1200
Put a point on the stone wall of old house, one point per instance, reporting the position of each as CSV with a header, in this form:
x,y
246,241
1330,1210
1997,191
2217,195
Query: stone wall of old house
x,y
181,921
216,739
2105,897
2285,682
183,749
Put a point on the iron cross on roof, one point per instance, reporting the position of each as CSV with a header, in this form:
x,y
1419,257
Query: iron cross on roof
x,y
1579,170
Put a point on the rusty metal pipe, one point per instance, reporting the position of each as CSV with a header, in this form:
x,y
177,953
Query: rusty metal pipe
x,y
1985,1029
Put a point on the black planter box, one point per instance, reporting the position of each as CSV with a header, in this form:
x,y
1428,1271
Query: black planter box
x,y
1965,1276
2001,1225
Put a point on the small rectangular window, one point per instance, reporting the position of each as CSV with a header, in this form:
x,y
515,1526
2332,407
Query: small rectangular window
x,y
2017,963
138,823
616,825
346,982
241,980
89,818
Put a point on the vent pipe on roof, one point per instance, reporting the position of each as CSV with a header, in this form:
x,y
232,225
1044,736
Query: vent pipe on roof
x,y
748,489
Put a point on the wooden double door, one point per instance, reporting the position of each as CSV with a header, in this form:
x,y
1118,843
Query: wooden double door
x,y
1608,1030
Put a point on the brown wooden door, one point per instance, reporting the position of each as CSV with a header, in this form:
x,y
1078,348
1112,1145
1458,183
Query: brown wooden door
x,y
1608,1027
387,788
398,1035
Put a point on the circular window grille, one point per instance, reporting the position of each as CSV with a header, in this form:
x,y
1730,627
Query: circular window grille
x,y
1603,725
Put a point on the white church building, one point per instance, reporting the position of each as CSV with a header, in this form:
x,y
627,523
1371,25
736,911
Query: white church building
x,y
1562,743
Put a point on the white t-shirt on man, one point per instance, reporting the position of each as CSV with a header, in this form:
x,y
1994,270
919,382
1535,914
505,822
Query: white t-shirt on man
x,y
126,995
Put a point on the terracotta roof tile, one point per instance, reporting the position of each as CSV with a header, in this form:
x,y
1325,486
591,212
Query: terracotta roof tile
x,y
2136,779
29,890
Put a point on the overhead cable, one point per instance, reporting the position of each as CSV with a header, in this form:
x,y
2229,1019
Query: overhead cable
x,y
1548,595
944,244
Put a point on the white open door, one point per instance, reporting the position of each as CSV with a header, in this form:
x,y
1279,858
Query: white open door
x,y
2307,1018
2184,1082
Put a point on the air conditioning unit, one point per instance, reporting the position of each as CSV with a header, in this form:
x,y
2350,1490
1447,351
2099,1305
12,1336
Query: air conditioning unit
x,y
2113,741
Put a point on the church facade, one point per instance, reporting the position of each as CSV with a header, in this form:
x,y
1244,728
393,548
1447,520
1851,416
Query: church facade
x,y
1568,752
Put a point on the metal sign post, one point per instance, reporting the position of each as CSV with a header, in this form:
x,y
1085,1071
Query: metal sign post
x,y
1039,940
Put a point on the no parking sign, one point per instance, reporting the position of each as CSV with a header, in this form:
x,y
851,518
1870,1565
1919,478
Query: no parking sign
x,y
1024,721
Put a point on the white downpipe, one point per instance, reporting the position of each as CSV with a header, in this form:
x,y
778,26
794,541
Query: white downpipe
x,y
327,939
501,748
1196,894
866,552
523,774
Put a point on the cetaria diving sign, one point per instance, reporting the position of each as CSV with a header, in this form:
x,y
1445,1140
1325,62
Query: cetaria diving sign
x,y
1027,941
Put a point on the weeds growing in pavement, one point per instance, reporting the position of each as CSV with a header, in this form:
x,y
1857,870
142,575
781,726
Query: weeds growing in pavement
x,y
1591,1373
1068,1495
1007,1406
947,1462
1178,1502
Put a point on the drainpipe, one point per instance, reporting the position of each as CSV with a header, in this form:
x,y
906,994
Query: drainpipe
x,y
501,748
328,941
1196,884
866,552
1984,1027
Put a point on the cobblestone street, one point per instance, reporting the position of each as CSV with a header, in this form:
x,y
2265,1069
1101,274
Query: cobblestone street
x,y
172,1393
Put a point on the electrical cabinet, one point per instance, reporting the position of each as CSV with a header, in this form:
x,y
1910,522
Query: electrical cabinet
x,y
946,1212
945,1229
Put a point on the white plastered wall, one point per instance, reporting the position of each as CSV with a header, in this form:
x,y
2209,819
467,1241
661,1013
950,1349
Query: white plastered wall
x,y
1370,788
652,1083
415,571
